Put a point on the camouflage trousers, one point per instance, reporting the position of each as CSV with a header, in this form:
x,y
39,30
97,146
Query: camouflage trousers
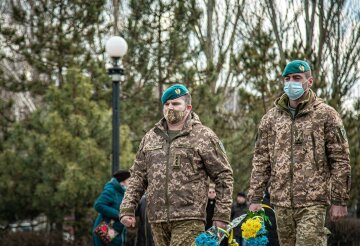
x,y
177,233
302,226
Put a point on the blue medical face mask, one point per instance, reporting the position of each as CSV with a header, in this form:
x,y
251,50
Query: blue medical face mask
x,y
294,90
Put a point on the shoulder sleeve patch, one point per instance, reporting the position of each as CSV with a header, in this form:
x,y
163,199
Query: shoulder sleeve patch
x,y
257,137
342,133
221,146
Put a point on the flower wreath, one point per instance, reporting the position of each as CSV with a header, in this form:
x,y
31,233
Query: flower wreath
x,y
253,231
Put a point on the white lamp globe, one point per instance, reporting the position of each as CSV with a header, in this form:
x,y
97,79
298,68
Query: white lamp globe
x,y
116,47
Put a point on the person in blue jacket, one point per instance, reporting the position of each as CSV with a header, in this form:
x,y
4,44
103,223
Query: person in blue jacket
x,y
108,205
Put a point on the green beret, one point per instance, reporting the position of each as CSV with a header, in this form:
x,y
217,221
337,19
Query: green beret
x,y
296,66
174,92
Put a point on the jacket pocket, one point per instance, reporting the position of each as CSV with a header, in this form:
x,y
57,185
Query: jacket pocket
x,y
183,196
153,147
155,158
153,151
316,161
183,158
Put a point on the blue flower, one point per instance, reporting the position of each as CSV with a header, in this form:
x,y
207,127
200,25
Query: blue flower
x,y
205,239
263,240
262,230
258,241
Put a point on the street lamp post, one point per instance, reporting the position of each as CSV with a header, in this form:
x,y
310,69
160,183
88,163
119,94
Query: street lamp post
x,y
116,48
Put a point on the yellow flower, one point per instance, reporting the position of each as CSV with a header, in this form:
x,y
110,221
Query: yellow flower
x,y
257,226
246,225
246,235
251,227
252,233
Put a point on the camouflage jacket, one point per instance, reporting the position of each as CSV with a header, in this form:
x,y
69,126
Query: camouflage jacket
x,y
305,158
175,174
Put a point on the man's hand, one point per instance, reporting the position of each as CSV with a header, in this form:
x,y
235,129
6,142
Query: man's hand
x,y
337,212
255,207
219,223
128,221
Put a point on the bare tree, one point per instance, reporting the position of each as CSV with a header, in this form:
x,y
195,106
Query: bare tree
x,y
327,34
217,38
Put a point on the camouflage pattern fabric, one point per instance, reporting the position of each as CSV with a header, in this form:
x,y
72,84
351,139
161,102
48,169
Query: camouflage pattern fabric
x,y
302,226
305,158
177,233
175,174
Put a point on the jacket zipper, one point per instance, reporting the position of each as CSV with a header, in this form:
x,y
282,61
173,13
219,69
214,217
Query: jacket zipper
x,y
168,142
292,154
314,151
291,157
292,163
167,183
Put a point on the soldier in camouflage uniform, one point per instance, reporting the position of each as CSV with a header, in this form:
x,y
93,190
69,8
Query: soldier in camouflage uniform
x,y
173,163
302,151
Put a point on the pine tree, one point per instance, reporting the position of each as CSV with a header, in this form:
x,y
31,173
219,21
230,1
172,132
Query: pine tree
x,y
61,156
42,39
